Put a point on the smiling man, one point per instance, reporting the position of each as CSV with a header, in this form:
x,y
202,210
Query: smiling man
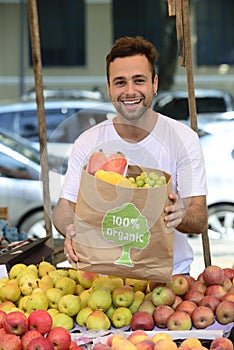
x,y
146,138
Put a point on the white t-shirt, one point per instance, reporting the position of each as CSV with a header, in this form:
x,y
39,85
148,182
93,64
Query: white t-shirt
x,y
172,147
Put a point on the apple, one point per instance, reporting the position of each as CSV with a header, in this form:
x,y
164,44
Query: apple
x,y
227,284
2,332
147,306
137,336
152,285
194,295
213,275
98,346
2,317
225,343
225,312
190,280
202,317
123,296
161,335
35,321
191,343
216,290
145,345
7,306
16,323
210,301
187,306
142,320
60,338
28,336
179,284
199,286
100,299
161,314
121,317
40,343
10,342
227,296
163,344
200,277
179,321
177,301
98,320
163,295
229,272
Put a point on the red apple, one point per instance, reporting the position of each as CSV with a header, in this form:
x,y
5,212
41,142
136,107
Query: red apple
x,y
40,343
28,336
2,332
152,285
229,272
200,277
60,337
202,317
179,321
194,296
225,312
177,301
2,317
227,284
142,320
187,306
145,345
10,342
161,314
16,323
228,296
98,346
35,321
190,280
137,336
224,343
163,295
179,284
213,275
210,301
199,286
216,290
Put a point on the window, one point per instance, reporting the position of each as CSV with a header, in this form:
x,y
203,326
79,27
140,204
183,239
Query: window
x,y
215,34
62,32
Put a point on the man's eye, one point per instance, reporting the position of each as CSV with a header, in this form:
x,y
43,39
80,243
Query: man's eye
x,y
120,83
139,81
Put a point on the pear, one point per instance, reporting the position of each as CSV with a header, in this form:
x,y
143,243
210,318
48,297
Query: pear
x,y
26,271
7,306
79,289
3,281
52,312
53,296
37,301
62,320
27,283
55,275
66,284
15,269
86,278
33,267
22,303
137,284
99,282
45,282
44,268
110,311
98,320
10,291
147,306
138,300
84,297
69,304
72,273
121,317
82,315
100,299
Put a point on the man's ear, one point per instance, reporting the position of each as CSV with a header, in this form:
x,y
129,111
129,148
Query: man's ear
x,y
155,84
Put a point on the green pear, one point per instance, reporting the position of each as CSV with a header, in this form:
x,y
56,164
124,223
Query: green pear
x,y
98,320
82,315
138,300
110,311
69,304
26,271
99,282
72,273
86,278
37,301
79,289
33,267
100,299
136,284
62,320
121,317
22,303
123,296
3,281
44,268
53,295
55,275
27,283
84,297
147,306
15,269
45,283
10,291
52,312
66,284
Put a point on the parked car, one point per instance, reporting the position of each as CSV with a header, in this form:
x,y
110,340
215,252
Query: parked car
x,y
208,102
21,186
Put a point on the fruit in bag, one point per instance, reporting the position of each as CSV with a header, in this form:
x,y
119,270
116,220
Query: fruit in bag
x,y
96,160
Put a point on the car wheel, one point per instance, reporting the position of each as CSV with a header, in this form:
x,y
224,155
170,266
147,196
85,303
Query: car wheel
x,y
34,226
221,221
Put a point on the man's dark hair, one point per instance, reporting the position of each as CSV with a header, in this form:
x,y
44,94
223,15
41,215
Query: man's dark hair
x,y
130,46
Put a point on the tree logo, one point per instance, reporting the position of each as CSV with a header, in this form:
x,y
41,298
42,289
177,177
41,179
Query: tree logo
x,y
126,227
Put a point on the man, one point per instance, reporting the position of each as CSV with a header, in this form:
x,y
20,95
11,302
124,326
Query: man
x,y
146,138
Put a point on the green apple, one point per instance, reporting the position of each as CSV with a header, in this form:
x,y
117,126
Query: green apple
x,y
139,297
69,304
137,284
163,295
62,320
82,315
44,268
37,301
66,284
10,291
123,296
179,284
53,295
98,320
15,269
121,317
45,282
100,299
86,278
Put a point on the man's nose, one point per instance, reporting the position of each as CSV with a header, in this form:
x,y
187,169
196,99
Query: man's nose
x,y
130,88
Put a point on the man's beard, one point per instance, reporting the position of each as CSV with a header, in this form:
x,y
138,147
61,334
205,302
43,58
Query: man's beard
x,y
130,114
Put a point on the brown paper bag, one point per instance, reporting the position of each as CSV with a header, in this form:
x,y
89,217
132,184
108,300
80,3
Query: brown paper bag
x,y
121,231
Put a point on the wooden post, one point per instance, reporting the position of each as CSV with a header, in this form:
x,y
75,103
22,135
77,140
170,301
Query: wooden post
x,y
37,68
180,9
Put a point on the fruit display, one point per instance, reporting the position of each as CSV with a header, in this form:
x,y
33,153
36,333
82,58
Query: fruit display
x,y
42,297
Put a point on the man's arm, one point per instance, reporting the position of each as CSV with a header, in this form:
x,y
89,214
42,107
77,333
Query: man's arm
x,y
192,218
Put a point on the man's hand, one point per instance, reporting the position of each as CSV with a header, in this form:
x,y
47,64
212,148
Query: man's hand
x,y
68,249
174,212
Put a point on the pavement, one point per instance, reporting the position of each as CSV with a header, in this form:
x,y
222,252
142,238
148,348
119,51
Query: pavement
x,y
221,250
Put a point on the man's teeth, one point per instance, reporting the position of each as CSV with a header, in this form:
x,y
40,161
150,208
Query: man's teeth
x,y
131,102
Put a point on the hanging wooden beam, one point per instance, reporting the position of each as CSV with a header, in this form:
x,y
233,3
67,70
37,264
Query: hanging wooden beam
x,y
42,133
